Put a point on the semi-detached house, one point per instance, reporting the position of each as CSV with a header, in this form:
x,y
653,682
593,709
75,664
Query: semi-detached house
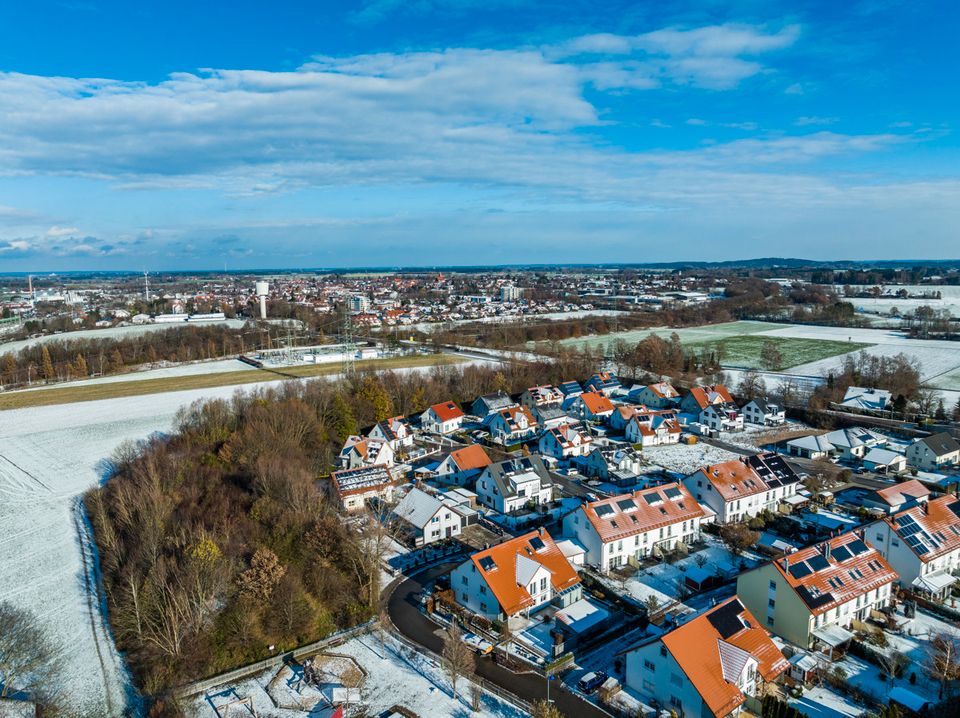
x,y
741,488
632,526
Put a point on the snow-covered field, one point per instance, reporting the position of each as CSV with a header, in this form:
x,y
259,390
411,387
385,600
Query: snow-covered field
x,y
950,299
395,676
686,458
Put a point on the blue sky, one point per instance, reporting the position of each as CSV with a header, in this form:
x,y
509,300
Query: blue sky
x,y
183,135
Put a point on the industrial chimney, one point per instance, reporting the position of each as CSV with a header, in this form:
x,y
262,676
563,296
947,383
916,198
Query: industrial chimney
x,y
262,291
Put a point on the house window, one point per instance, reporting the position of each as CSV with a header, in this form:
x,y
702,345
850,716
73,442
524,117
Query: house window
x,y
649,666
466,580
769,620
543,584
773,586
675,702
771,603
483,590
663,650
464,596
483,608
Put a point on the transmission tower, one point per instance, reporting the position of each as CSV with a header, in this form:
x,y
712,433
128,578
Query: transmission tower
x,y
348,364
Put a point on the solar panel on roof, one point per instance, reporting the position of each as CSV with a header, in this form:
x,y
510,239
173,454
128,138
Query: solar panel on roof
x,y
955,507
487,563
906,520
603,510
799,570
537,543
857,547
921,550
910,530
813,601
626,505
818,563
672,493
726,619
841,554
653,498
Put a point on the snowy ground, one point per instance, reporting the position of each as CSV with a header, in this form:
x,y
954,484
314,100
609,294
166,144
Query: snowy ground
x,y
49,456
824,703
217,366
686,458
396,676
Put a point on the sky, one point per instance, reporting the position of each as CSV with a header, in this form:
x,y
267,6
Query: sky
x,y
246,134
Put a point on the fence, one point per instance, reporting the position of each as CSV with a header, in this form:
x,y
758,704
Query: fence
x,y
273,662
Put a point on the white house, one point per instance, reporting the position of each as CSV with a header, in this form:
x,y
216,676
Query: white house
x,y
462,466
511,426
660,395
653,428
922,543
604,463
508,486
352,488
700,397
544,395
428,518
811,597
443,418
884,461
740,488
564,442
764,413
632,526
516,578
488,404
708,665
815,446
932,453
858,397
722,417
358,452
395,431
853,443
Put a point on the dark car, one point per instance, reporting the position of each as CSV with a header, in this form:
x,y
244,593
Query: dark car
x,y
591,682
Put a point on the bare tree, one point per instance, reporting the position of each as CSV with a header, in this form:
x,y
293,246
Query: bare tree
x,y
545,709
943,659
738,537
892,662
28,660
457,656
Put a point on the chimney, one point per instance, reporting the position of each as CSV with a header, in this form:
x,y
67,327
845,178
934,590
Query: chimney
x,y
827,550
786,563
540,530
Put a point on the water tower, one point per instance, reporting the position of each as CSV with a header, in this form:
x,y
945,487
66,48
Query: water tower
x,y
262,292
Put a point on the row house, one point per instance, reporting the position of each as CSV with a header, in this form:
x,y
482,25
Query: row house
x,y
443,418
508,486
922,544
516,578
358,452
564,442
709,665
812,597
740,488
463,466
633,526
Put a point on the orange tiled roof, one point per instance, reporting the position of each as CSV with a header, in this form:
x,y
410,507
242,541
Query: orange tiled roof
x,y
896,494
734,479
702,395
824,578
664,390
511,415
446,411
939,522
633,513
502,576
470,457
565,433
596,402
701,647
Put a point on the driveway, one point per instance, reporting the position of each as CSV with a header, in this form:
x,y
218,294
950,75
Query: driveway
x,y
404,611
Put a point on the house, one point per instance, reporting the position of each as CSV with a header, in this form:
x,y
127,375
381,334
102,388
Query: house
x,y
352,488
606,462
516,578
489,403
603,383
443,418
764,413
884,461
508,486
564,442
654,428
660,395
853,443
709,665
511,426
358,452
570,388
549,415
428,518
622,415
858,397
540,396
395,431
898,497
632,526
462,466
740,488
811,597
700,397
589,406
922,543
932,453
811,447
722,417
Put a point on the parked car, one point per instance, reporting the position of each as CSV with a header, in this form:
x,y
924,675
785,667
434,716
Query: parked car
x,y
591,682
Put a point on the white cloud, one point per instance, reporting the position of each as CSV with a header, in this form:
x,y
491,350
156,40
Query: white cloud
x,y
808,120
57,231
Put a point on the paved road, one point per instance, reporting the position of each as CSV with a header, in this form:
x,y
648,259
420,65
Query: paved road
x,y
404,611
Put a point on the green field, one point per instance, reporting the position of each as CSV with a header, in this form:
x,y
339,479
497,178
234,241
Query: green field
x,y
744,351
687,335
111,390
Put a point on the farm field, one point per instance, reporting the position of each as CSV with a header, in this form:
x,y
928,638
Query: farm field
x,y
744,351
687,334
87,391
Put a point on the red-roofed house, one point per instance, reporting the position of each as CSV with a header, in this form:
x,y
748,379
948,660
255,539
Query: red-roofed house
x,y
443,418
510,426
653,428
462,466
708,665
590,406
632,526
740,488
811,597
564,442
516,577
358,452
661,395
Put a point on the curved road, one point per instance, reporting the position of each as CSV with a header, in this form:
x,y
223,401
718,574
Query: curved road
x,y
404,611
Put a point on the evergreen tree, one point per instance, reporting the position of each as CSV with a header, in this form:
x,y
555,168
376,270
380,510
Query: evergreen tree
x,y
80,366
342,420
116,360
47,364
372,391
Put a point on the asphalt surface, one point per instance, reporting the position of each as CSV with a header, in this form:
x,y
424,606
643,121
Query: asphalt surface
x,y
404,610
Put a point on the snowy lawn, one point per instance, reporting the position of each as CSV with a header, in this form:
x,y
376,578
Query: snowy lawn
x,y
686,458
824,703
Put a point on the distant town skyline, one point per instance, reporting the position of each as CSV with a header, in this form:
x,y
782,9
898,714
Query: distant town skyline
x,y
419,133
